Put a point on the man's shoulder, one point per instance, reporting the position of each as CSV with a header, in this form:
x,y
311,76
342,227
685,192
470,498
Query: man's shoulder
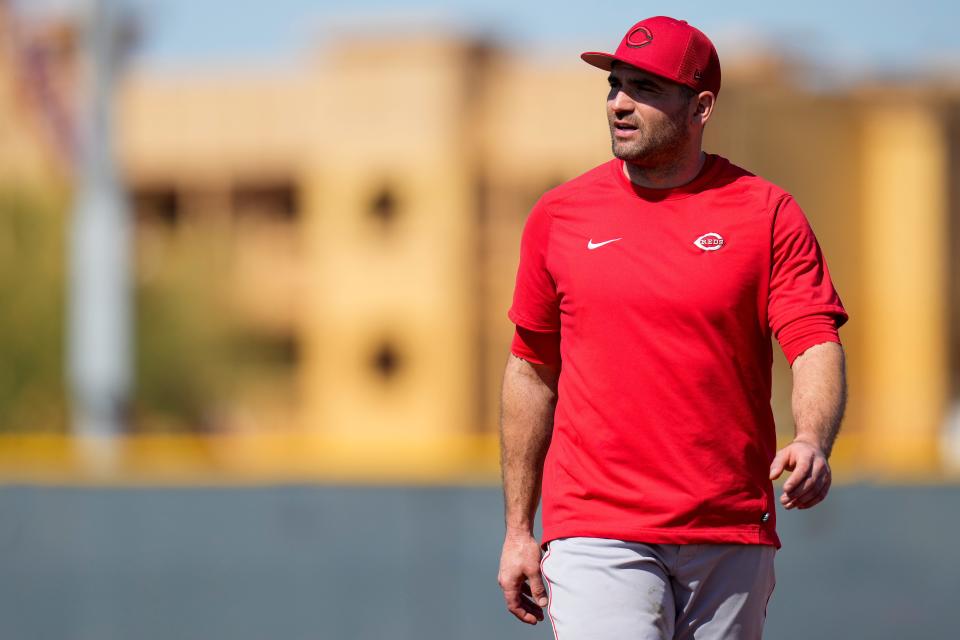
x,y
749,182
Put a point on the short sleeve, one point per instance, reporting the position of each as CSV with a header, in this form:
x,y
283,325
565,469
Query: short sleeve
x,y
535,302
803,306
538,347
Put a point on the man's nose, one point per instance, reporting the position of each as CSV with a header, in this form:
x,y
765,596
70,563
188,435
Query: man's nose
x,y
621,101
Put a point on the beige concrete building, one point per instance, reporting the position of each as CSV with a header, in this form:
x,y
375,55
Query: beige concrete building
x,y
33,88
362,214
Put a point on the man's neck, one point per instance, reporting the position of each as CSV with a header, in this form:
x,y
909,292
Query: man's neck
x,y
666,176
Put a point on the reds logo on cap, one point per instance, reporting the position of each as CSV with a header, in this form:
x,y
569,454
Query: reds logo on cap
x,y
683,54
639,37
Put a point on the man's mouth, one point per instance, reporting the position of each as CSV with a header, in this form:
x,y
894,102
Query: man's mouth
x,y
623,128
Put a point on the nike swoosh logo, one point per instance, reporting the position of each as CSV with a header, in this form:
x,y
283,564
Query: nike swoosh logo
x,y
593,245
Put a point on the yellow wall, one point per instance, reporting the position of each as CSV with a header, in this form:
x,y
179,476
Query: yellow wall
x,y
463,138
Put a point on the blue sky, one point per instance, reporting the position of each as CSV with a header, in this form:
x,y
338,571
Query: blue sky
x,y
879,36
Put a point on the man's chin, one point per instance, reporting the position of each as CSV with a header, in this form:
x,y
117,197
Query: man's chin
x,y
626,153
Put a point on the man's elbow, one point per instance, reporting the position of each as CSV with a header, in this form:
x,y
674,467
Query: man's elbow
x,y
820,365
545,376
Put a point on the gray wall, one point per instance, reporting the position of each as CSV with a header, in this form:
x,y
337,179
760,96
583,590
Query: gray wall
x,y
349,562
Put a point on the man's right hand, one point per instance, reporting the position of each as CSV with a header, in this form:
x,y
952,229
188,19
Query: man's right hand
x,y
520,578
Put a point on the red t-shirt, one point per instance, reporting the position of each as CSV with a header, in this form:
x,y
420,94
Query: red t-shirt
x,y
664,301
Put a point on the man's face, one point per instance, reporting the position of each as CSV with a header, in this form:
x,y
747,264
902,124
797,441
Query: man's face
x,y
650,118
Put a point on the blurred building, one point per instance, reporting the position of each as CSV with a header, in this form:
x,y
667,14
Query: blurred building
x,y
36,84
361,217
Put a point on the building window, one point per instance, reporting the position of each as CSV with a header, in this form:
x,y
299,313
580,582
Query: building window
x,y
158,205
385,360
267,200
383,207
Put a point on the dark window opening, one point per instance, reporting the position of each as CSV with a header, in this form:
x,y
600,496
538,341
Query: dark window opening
x,y
386,360
158,205
284,350
384,208
277,201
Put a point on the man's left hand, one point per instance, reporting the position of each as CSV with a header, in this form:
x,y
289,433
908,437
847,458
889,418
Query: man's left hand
x,y
810,475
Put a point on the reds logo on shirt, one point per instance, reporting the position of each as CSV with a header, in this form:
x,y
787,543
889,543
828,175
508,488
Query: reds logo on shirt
x,y
709,241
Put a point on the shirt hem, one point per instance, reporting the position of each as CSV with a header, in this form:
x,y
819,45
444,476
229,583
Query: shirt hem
x,y
794,351
722,535
533,325
839,314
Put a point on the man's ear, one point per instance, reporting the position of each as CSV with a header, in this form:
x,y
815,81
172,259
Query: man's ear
x,y
705,102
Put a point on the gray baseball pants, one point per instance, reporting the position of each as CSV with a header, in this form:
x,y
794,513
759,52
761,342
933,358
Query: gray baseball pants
x,y
601,589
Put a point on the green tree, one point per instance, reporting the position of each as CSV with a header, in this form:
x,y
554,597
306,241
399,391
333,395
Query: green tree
x,y
32,386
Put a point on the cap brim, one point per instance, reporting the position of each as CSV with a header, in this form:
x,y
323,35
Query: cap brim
x,y
598,59
605,61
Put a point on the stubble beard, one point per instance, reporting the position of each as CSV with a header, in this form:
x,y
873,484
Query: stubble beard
x,y
653,148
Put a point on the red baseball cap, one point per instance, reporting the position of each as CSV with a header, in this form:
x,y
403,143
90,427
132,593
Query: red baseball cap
x,y
669,48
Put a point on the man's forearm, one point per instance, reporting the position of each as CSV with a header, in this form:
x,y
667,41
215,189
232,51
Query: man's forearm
x,y
819,394
528,400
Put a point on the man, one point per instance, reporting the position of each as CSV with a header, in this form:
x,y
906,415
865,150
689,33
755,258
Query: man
x,y
637,392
